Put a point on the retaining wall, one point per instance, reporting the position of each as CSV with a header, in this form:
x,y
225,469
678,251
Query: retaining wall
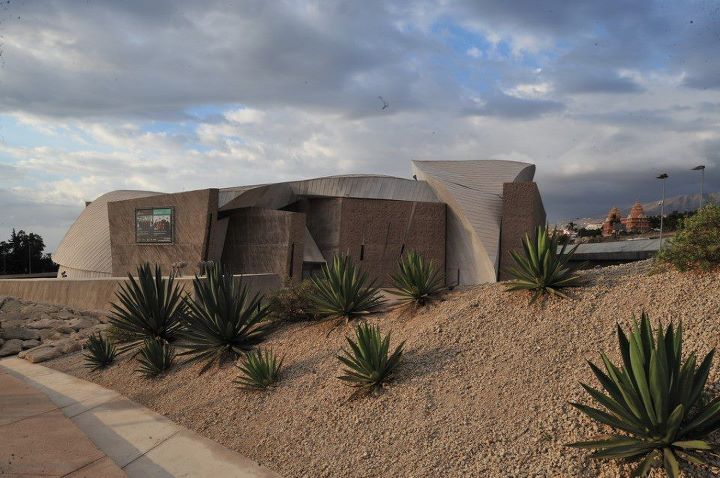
x,y
97,294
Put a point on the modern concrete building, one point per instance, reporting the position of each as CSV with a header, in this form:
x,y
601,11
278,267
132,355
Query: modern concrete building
x,y
464,215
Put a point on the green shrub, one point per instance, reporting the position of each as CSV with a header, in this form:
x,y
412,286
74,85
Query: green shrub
x,y
259,369
155,357
416,280
542,269
222,320
343,291
697,244
150,307
100,352
654,399
292,303
368,363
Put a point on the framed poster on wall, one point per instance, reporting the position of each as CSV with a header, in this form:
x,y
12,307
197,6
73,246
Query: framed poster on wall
x,y
154,225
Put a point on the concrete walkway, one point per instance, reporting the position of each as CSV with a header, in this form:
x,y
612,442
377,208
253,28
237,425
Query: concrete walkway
x,y
36,439
96,424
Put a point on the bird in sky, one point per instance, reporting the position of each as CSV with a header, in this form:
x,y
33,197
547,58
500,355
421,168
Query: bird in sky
x,y
385,104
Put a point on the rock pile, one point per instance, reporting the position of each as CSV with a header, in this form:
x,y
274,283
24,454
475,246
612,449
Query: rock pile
x,y
39,332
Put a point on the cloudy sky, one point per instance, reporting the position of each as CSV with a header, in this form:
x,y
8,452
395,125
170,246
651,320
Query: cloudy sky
x,y
173,95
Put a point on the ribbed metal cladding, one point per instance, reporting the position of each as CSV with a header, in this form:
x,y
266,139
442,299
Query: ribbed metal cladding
x,y
351,186
473,192
85,249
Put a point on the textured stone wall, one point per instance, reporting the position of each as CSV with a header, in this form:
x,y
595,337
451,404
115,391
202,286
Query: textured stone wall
x,y
522,212
264,241
195,212
323,222
374,232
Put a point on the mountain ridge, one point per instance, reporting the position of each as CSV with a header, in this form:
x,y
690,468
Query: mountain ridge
x,y
680,203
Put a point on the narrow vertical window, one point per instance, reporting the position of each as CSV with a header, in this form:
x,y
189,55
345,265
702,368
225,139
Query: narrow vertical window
x,y
362,251
292,258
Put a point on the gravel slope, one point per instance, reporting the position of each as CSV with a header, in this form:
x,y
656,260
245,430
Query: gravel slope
x,y
483,389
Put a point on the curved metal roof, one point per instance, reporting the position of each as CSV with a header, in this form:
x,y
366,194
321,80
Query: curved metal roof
x,y
473,192
366,186
86,245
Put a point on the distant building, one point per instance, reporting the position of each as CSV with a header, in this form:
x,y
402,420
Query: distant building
x,y
635,223
613,223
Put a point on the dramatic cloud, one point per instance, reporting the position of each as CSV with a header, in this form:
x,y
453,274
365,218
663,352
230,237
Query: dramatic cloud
x,y
174,95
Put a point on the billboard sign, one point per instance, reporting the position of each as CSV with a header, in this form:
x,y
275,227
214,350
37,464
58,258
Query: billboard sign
x,y
154,225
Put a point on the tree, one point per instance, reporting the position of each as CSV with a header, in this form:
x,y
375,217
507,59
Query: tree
x,y
23,254
583,232
4,251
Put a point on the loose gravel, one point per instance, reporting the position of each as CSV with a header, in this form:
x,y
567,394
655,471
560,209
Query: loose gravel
x,y
483,390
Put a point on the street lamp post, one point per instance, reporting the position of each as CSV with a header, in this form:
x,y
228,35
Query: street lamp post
x,y
662,177
701,168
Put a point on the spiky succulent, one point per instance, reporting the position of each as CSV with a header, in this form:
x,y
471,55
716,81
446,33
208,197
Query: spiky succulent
x,y
543,269
150,307
343,291
654,401
99,352
155,357
416,281
368,361
223,319
259,369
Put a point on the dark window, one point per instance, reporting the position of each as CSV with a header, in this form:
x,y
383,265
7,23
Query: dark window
x,y
362,252
292,258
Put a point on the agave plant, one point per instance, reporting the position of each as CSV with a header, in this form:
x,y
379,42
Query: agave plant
x,y
259,369
223,320
150,307
654,399
543,269
100,352
155,357
416,281
343,291
368,363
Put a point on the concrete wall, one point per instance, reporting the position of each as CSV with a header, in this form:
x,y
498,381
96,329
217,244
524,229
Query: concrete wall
x,y
97,294
323,222
522,212
195,213
264,241
374,232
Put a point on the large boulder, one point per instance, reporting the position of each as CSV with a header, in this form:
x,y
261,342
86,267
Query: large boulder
x,y
82,323
68,345
11,347
28,344
10,310
64,314
41,353
16,332
47,335
45,322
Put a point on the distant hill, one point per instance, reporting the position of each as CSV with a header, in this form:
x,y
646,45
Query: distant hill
x,y
682,203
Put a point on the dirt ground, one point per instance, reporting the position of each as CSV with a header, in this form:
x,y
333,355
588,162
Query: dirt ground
x,y
483,389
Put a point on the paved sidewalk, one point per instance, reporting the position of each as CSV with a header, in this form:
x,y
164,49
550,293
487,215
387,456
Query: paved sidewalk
x,y
36,439
134,438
